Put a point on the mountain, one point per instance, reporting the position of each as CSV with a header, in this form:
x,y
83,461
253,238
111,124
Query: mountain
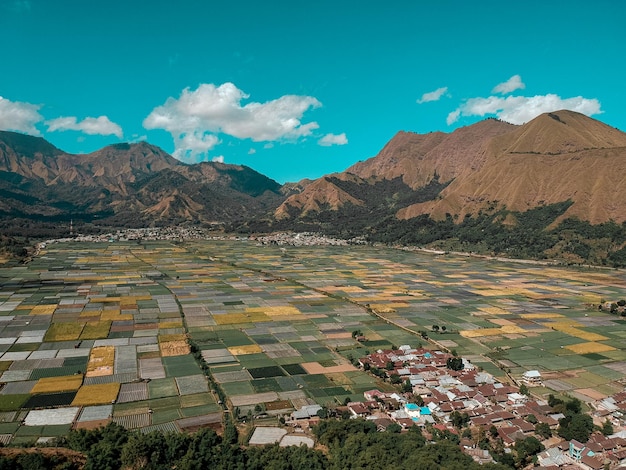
x,y
557,157
563,156
549,188
552,187
125,185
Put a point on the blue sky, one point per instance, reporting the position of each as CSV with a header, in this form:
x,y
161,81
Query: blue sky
x,y
299,89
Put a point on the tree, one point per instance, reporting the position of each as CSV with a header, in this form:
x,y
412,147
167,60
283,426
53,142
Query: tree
x,y
607,428
577,426
454,363
394,428
543,430
443,328
526,449
459,420
574,406
524,390
435,328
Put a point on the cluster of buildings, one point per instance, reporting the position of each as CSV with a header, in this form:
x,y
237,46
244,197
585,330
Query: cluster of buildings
x,y
303,239
179,233
440,397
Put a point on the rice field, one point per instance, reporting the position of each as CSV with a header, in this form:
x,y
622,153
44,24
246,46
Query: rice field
x,y
103,330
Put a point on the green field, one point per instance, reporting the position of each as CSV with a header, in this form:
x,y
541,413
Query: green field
x,y
275,324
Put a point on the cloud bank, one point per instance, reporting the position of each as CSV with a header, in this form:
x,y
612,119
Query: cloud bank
x,y
521,109
433,95
18,116
196,118
333,139
93,126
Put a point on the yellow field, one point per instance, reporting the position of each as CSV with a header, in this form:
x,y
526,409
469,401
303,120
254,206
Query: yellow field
x,y
174,348
505,330
96,330
382,308
43,310
97,394
64,331
569,328
101,361
280,311
588,348
243,350
540,316
58,384
234,318
115,315
493,310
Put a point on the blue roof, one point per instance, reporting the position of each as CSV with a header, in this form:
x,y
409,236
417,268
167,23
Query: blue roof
x,y
424,410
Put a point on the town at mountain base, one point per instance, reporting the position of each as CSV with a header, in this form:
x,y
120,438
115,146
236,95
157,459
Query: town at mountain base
x,y
551,188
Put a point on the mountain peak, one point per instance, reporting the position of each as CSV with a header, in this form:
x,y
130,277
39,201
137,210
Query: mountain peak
x,y
561,132
27,145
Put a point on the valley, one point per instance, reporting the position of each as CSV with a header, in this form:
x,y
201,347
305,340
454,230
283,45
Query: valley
x,y
126,331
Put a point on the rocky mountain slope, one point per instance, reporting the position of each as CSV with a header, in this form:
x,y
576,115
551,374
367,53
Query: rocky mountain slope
x,y
491,165
549,188
125,184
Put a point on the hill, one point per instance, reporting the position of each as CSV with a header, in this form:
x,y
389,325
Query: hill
x,y
549,188
483,187
128,185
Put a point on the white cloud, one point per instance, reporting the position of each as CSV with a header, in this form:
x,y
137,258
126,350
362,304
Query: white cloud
x,y
521,109
453,116
433,95
139,138
218,159
92,126
512,84
19,116
251,151
333,139
211,110
189,146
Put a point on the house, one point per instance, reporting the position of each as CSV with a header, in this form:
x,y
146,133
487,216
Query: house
x,y
358,409
373,395
306,412
532,378
517,398
592,462
576,449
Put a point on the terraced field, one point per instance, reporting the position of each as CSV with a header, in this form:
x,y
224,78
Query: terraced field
x,y
91,333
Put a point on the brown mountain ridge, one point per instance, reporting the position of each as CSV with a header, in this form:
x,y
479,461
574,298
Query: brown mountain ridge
x,y
124,185
551,187
556,157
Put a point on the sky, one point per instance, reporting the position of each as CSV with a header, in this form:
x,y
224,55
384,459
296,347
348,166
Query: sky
x,y
299,89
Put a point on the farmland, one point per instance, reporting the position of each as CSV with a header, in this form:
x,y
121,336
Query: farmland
x,y
99,332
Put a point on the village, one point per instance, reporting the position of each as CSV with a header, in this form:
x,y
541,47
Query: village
x,y
442,393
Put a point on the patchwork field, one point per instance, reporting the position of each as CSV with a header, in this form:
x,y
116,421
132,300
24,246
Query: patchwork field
x,y
92,333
